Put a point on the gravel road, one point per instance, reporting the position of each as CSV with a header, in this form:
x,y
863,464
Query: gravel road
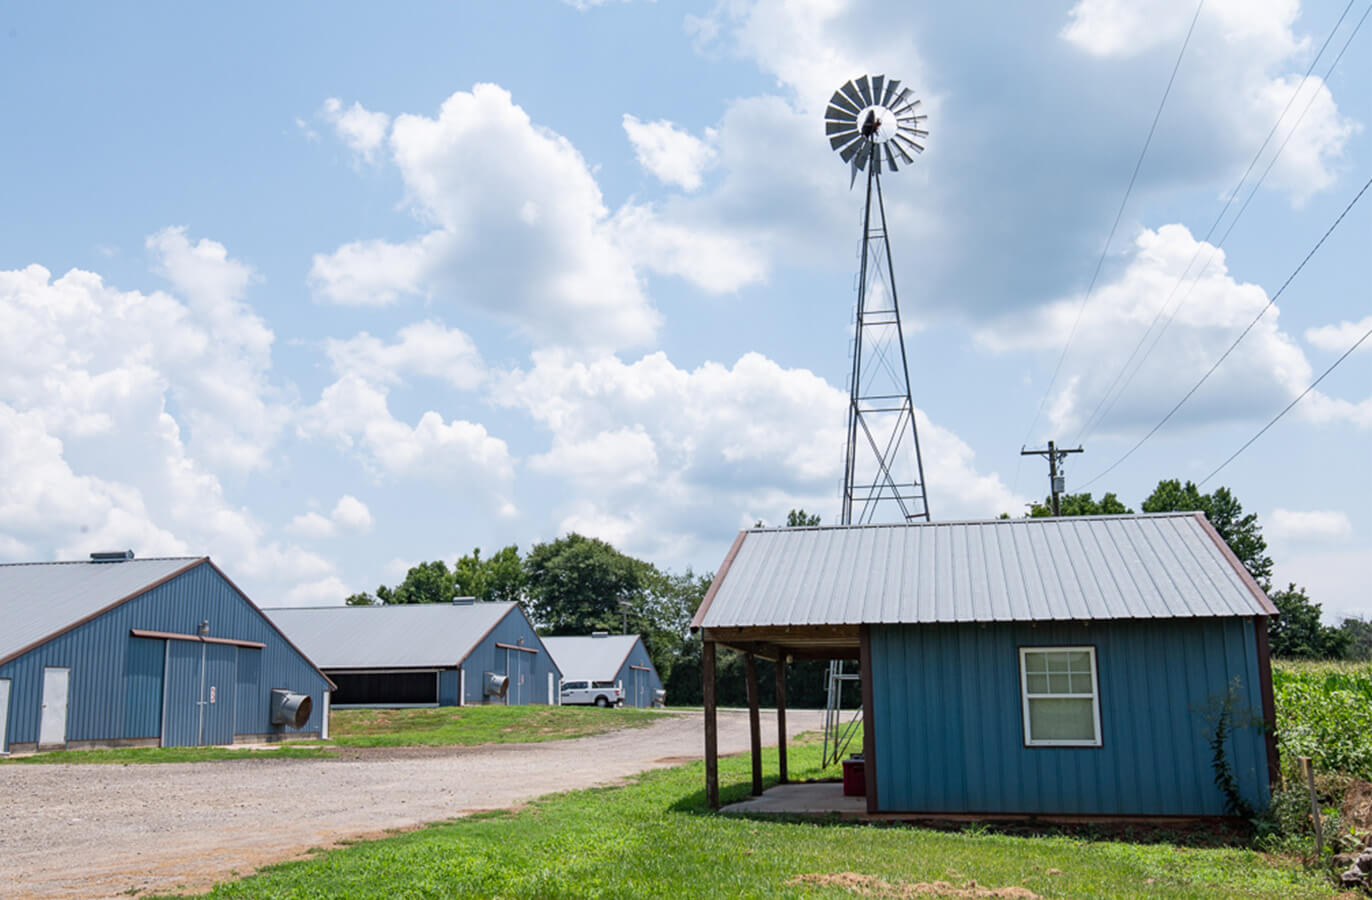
x,y
107,830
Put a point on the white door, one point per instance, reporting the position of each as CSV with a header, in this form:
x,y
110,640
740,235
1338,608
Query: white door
x,y
552,693
52,728
4,715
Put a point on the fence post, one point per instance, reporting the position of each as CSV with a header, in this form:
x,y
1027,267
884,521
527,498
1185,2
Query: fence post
x,y
1309,770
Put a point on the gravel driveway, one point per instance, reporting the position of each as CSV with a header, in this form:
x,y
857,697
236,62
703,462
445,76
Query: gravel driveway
x,y
106,830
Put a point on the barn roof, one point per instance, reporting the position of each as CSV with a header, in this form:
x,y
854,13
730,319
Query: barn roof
x,y
590,657
39,601
1169,565
400,636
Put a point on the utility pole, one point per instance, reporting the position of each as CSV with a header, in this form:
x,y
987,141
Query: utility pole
x,y
1055,481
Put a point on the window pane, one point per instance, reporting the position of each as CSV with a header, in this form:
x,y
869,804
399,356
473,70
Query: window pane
x,y
1081,682
1038,684
1057,662
1058,684
1079,661
1034,662
1061,720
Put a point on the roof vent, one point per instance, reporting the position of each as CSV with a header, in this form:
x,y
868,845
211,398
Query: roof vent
x,y
600,634
111,556
464,601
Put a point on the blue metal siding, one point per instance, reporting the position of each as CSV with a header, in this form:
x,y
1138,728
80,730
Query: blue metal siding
x,y
105,663
950,736
641,693
514,628
143,688
448,682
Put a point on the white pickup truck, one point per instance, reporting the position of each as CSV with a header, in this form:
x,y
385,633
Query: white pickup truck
x,y
587,693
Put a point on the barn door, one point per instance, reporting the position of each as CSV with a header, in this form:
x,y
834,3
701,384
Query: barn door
x,y
221,681
4,715
52,726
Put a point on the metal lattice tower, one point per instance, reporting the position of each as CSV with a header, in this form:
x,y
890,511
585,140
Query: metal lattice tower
x,y
873,122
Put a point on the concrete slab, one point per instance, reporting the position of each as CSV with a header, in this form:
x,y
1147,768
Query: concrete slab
x,y
813,799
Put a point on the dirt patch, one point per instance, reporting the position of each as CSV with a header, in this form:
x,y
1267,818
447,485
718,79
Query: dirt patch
x,y
873,886
1356,812
675,760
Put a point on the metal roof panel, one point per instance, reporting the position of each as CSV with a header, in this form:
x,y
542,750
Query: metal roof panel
x,y
407,635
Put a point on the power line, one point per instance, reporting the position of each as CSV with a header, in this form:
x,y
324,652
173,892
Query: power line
x,y
1098,414
1264,428
1118,216
1242,335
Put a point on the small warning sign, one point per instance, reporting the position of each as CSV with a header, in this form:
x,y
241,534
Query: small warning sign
x,y
211,693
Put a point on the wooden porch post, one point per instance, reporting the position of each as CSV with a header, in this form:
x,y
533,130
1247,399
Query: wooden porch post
x,y
754,722
707,660
781,717
869,739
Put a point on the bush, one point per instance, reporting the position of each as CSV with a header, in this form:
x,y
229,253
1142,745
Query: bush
x,y
1325,712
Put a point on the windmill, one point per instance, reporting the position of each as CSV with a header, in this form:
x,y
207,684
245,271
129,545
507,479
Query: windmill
x,y
875,123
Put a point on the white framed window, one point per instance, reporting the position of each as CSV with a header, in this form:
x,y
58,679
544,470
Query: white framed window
x,y
1061,696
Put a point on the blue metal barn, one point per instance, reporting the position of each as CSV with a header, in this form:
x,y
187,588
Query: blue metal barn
x,y
620,659
145,652
1065,666
426,654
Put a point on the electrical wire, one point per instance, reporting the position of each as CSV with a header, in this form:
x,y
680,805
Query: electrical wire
x,y
1098,415
1264,428
1091,286
1242,335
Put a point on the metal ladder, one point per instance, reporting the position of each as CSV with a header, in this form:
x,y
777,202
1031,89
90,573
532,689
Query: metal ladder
x,y
838,734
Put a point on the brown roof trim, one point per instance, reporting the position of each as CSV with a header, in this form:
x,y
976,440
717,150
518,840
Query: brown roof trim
x,y
204,639
270,624
642,668
1245,576
519,647
718,580
100,612
638,639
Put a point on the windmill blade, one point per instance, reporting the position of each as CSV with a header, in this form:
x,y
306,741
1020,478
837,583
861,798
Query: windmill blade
x,y
911,131
890,158
892,85
911,119
900,99
837,114
902,140
878,88
865,89
863,154
915,103
838,127
852,149
909,160
839,140
876,159
843,103
853,95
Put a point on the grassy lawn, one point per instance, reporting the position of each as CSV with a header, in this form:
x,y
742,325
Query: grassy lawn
x,y
465,726
653,838
471,725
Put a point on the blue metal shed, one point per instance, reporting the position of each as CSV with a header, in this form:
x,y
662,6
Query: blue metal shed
x,y
1064,666
426,654
144,652
618,658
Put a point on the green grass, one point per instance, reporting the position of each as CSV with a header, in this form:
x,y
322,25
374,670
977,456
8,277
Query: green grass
x,y
464,726
653,838
124,755
471,725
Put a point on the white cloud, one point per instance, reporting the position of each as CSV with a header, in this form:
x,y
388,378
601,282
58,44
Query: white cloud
x,y
352,514
1266,371
1335,579
312,525
1338,338
518,230
329,591
665,459
1294,525
424,348
362,130
674,156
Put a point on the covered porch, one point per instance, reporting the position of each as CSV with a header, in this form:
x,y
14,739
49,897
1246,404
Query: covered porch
x,y
782,645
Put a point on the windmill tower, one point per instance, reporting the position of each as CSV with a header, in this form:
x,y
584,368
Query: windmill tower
x,y
875,123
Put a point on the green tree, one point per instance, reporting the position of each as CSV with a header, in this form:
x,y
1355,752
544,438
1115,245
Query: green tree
x,y
428,582
1359,633
1297,632
797,518
1242,533
361,599
498,578
1079,505
574,585
663,613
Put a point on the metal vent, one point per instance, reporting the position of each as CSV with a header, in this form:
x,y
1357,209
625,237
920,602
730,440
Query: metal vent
x,y
600,634
464,601
105,556
290,708
496,685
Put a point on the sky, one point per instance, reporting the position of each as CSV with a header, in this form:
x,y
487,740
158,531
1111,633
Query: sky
x,y
325,290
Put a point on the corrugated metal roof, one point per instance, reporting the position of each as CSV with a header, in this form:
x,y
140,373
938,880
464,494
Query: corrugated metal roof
x,y
41,600
1169,565
589,657
410,635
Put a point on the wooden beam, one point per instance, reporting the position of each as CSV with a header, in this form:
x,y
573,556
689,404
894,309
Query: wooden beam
x,y
781,719
707,666
869,741
787,635
754,720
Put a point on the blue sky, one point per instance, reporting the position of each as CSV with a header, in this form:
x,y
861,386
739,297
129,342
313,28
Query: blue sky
x,y
326,290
